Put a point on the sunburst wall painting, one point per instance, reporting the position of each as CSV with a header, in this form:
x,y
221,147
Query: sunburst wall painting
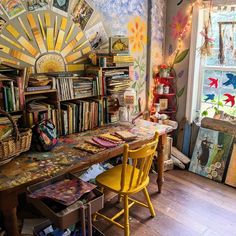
x,y
41,38
211,154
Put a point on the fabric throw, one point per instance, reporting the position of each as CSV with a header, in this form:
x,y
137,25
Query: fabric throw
x,y
65,192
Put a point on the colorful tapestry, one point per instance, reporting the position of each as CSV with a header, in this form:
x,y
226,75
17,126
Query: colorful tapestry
x,y
211,153
66,191
231,172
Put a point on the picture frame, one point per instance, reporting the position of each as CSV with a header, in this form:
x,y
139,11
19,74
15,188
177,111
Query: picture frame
x,y
163,104
119,44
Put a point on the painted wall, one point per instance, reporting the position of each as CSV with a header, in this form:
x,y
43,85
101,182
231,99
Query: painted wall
x,y
176,19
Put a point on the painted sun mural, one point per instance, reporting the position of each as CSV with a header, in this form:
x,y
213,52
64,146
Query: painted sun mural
x,y
44,40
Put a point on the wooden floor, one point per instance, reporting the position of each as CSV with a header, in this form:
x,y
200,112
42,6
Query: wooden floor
x,y
188,205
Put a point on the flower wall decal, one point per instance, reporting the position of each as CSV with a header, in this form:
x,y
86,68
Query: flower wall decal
x,y
137,32
179,21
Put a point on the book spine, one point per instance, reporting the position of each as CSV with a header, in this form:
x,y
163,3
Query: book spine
x,y
5,99
13,96
21,92
9,99
39,88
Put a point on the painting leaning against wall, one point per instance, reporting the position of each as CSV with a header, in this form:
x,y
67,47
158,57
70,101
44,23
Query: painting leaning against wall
x,y
211,154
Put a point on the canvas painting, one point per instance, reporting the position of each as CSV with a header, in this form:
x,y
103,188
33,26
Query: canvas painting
x,y
12,8
119,44
210,155
2,23
231,172
35,5
96,35
81,13
61,6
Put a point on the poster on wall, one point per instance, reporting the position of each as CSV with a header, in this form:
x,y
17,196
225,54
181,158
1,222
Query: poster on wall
x,y
61,6
35,5
12,8
81,13
231,173
211,153
2,23
97,35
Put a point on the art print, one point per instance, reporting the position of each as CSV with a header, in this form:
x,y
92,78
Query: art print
x,y
12,8
2,23
81,13
211,153
97,35
35,5
61,6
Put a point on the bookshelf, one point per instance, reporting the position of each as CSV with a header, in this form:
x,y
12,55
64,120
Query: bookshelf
x,y
75,102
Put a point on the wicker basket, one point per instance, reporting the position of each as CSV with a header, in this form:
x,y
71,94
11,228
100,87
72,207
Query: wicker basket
x,y
13,146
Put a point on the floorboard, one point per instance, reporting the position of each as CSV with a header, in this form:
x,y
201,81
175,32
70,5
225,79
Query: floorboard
x,y
189,205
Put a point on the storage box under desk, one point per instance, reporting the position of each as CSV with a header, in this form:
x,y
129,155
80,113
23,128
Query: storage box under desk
x,y
69,215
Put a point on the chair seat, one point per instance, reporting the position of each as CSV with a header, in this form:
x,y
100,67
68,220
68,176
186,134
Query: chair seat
x,y
111,179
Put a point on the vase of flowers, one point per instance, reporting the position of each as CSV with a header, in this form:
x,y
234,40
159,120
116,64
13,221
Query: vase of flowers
x,y
164,71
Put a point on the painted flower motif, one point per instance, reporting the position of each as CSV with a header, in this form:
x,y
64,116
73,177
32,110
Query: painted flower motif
x,y
137,32
179,22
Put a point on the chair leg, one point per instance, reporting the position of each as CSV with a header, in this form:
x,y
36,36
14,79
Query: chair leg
x,y
95,215
126,215
151,209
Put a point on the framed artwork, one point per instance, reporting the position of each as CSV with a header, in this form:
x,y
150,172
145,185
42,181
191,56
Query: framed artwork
x,y
231,172
119,44
2,23
163,104
81,13
33,5
96,35
12,8
61,6
211,153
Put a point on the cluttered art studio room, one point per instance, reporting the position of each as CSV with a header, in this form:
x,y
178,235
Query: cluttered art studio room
x,y
118,117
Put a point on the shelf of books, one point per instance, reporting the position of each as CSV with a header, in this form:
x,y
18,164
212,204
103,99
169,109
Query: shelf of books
x,y
75,102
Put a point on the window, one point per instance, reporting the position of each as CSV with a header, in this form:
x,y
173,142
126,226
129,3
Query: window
x,y
212,79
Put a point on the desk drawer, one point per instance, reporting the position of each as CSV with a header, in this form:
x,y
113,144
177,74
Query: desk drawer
x,y
63,218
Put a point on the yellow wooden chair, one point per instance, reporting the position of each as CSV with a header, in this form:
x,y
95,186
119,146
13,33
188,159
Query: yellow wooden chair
x,y
126,179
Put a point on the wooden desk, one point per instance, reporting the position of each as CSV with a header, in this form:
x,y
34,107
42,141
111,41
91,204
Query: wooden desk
x,y
30,168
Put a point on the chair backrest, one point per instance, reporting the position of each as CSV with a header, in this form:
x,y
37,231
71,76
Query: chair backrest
x,y
141,161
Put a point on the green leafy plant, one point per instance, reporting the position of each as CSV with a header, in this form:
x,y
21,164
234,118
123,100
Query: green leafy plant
x,y
215,106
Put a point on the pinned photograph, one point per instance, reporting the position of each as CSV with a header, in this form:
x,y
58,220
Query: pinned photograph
x,y
12,8
61,6
2,23
163,104
81,13
35,5
96,35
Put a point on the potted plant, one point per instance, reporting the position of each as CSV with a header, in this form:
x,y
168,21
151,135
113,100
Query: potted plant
x,y
164,71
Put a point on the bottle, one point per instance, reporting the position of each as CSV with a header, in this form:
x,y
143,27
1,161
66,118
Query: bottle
x,y
166,89
160,89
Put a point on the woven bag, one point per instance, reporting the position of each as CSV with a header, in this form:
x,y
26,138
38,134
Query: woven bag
x,y
14,145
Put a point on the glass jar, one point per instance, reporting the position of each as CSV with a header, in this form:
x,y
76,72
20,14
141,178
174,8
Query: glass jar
x,y
123,114
166,89
129,97
160,89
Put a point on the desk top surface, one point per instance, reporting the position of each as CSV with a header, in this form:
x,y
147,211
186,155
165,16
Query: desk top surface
x,y
32,167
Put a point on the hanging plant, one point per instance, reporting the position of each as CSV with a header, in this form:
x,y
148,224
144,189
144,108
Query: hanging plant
x,y
206,48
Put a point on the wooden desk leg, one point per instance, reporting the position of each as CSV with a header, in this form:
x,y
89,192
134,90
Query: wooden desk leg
x,y
160,161
8,207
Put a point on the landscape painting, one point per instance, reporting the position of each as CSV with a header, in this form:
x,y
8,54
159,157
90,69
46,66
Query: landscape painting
x,y
211,153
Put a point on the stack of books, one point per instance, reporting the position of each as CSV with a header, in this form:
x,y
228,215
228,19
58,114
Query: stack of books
x,y
40,110
117,80
9,95
40,83
82,115
76,87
